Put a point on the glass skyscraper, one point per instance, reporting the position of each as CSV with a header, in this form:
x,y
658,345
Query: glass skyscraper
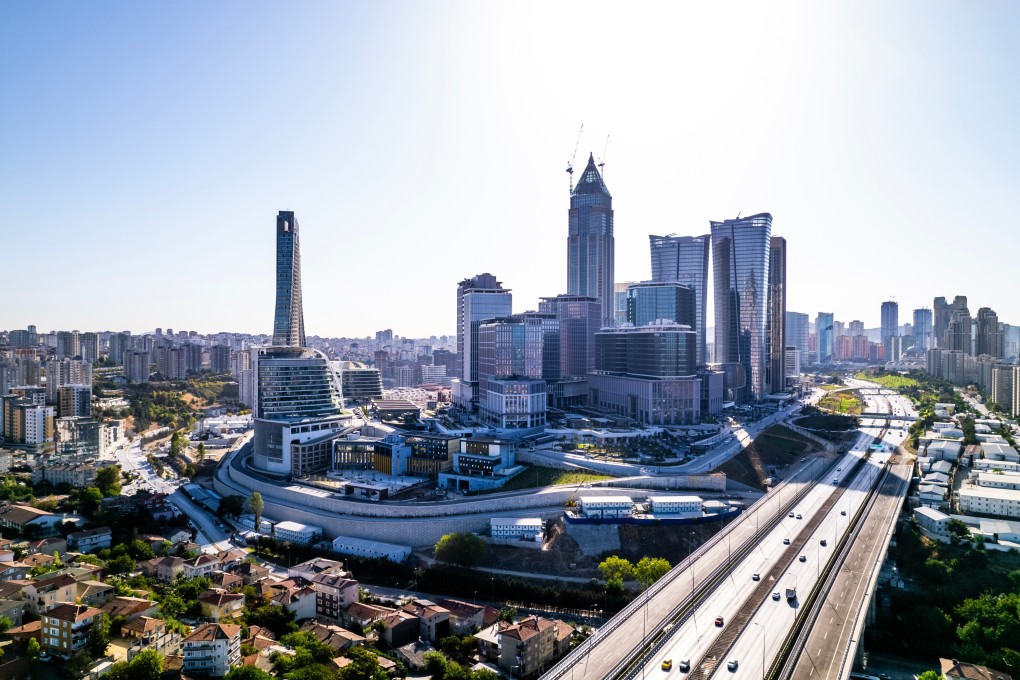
x,y
650,301
922,328
740,255
777,315
590,242
478,299
685,259
289,321
823,329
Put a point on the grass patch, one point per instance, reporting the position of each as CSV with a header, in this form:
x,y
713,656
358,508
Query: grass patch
x,y
777,446
830,388
536,476
892,382
842,402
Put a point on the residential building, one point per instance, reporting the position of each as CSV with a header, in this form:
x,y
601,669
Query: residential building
x,y
219,604
590,241
333,593
296,532
94,593
65,628
433,620
923,338
48,592
78,437
90,540
989,340
212,649
150,633
517,528
20,517
137,366
309,569
961,670
741,254
74,401
465,618
991,501
528,646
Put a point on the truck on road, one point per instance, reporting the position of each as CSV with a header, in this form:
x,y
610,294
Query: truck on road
x,y
791,593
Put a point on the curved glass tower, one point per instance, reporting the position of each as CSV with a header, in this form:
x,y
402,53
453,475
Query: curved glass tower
x,y
740,259
289,322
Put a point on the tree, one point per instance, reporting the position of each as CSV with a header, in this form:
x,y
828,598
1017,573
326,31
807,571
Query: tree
x,y
247,673
178,442
99,637
929,675
256,506
200,454
108,480
231,506
461,548
5,624
615,570
90,500
958,529
648,570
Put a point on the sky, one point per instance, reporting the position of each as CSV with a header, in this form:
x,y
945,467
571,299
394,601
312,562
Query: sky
x,y
145,149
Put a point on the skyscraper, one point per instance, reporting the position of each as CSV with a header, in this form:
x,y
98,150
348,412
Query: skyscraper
x,y
989,334
740,255
289,322
890,329
478,299
653,300
923,328
590,242
777,315
957,334
823,329
940,321
797,332
685,259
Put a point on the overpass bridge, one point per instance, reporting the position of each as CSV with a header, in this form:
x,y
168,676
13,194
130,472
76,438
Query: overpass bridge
x,y
742,575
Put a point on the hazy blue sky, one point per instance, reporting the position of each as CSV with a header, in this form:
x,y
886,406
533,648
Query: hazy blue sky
x,y
145,149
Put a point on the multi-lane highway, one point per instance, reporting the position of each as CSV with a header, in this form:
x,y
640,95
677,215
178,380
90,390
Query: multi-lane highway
x,y
741,622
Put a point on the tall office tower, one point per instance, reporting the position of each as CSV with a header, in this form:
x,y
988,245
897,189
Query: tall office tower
x,y
823,329
958,331
590,242
940,321
289,322
740,256
89,347
797,325
776,334
923,328
74,401
547,324
650,301
890,329
620,301
989,334
580,318
511,391
68,344
685,259
855,328
648,373
478,299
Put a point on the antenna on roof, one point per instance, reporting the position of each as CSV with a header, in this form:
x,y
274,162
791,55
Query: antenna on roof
x,y
570,164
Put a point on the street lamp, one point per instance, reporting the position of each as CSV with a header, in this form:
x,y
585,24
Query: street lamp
x,y
762,648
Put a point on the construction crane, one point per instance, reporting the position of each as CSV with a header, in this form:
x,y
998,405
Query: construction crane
x,y
570,164
602,160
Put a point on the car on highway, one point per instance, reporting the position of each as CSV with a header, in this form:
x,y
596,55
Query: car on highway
x,y
667,664
775,595
792,514
824,542
799,516
719,621
803,558
755,576
786,541
843,512
732,665
685,666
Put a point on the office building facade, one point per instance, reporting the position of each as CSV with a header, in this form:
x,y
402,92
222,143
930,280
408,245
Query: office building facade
x,y
826,342
478,299
776,334
590,241
923,329
289,320
685,259
652,301
740,254
890,329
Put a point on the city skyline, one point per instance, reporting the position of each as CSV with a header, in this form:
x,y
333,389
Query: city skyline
x,y
138,149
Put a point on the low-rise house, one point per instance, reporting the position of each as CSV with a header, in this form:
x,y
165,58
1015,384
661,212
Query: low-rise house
x,y
155,542
20,517
226,580
90,540
49,592
318,565
292,594
12,571
150,633
178,535
212,649
95,593
434,621
79,571
65,628
47,546
130,608
14,610
363,615
203,565
527,646
220,604
41,560
232,557
934,523
336,637
164,568
251,573
333,593
465,618
400,628
961,670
